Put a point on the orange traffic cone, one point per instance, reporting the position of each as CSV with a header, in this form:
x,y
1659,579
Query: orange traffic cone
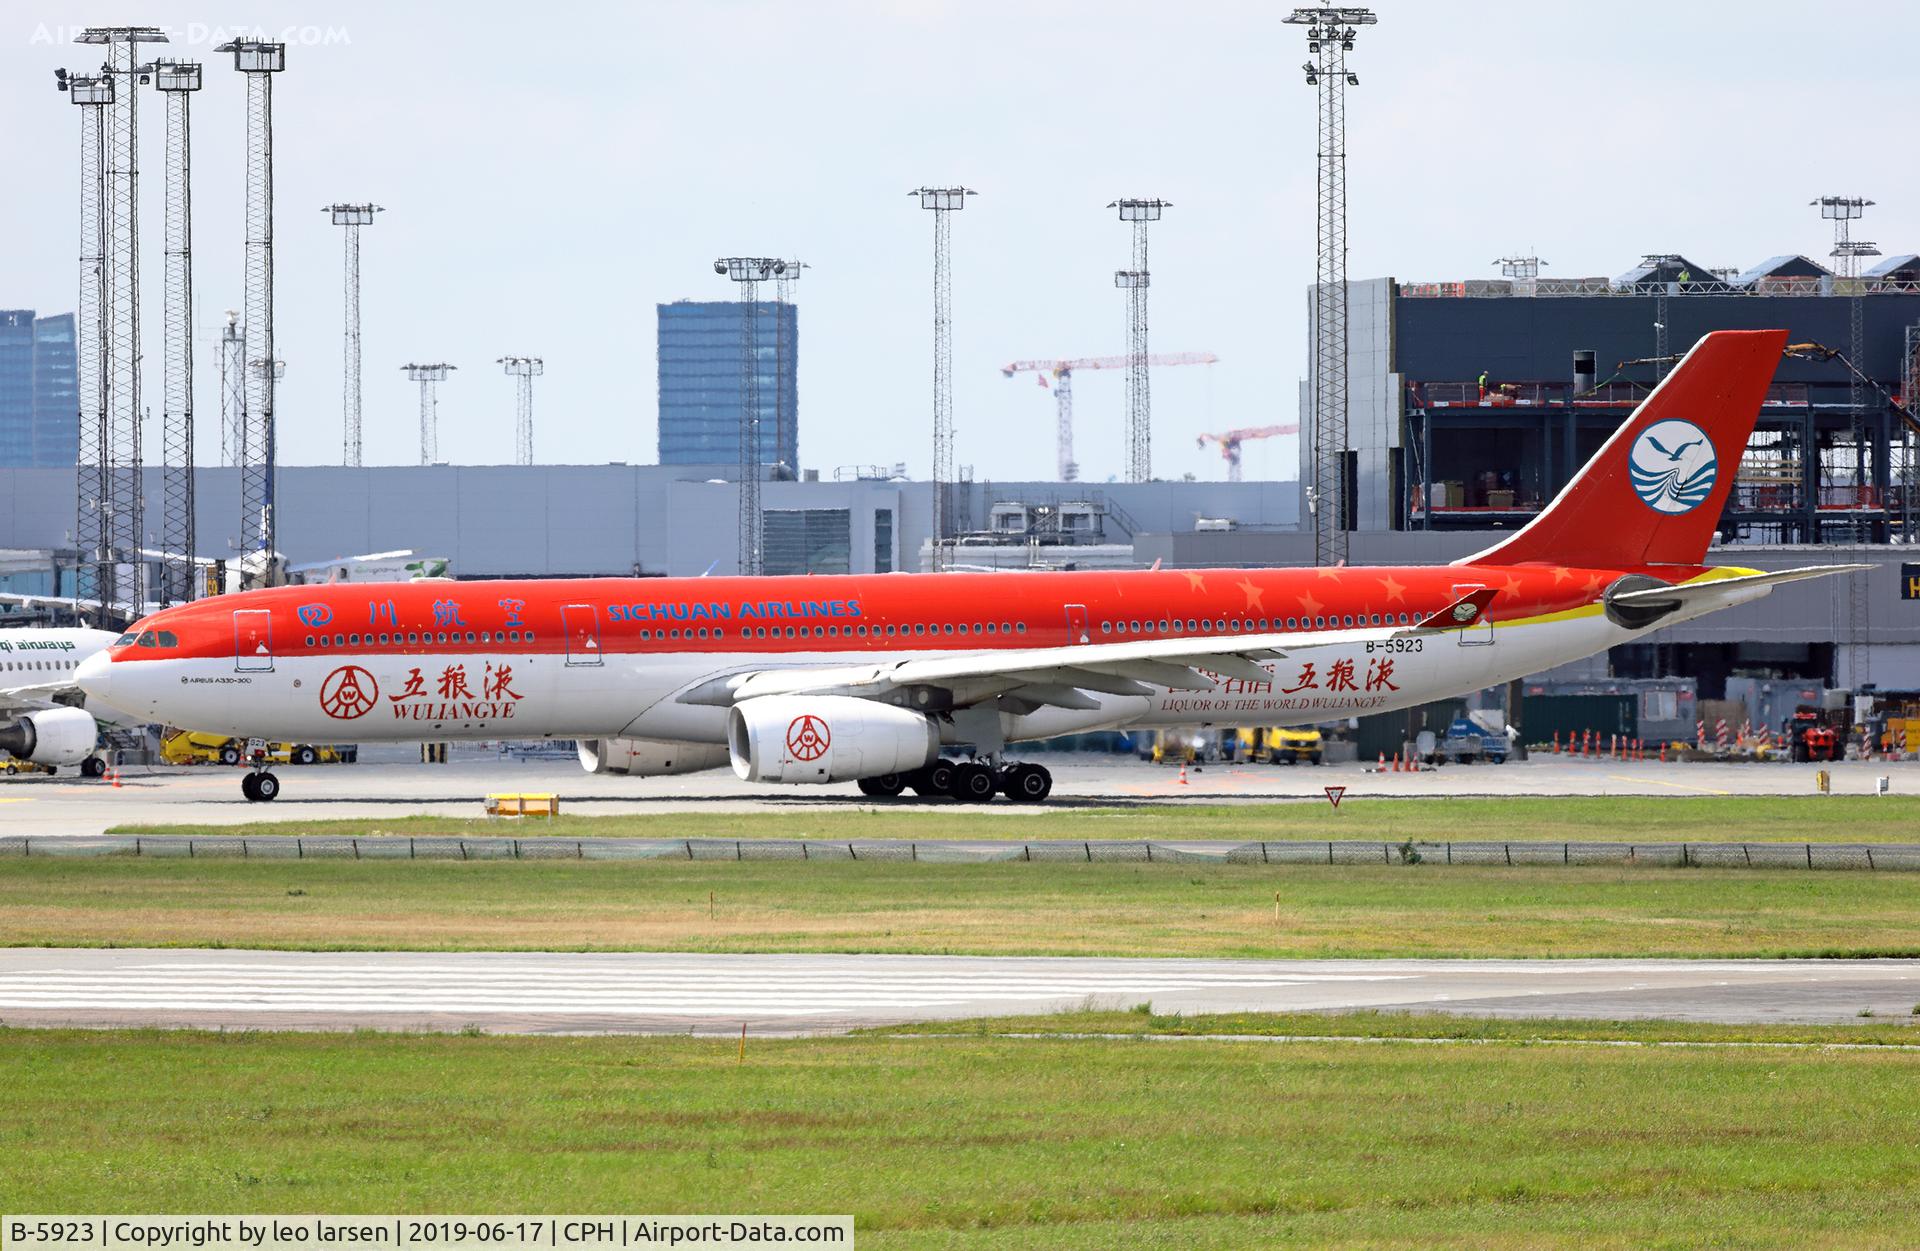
x,y
114,773
1383,763
1183,773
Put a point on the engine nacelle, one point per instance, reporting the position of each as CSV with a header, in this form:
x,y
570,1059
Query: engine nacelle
x,y
55,736
649,757
826,738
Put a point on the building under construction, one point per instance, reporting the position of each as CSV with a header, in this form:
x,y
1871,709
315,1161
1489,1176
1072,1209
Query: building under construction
x,y
1474,402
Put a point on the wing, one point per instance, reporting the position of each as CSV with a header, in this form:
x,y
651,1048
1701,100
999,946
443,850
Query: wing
x,y
15,700
1061,676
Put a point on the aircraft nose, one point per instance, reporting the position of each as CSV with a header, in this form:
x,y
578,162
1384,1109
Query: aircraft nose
x,y
95,676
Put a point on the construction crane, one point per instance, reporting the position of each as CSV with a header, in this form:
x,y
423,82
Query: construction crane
x,y
1231,440
1061,371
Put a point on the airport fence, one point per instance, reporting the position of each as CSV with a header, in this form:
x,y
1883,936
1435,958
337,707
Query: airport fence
x,y
1878,857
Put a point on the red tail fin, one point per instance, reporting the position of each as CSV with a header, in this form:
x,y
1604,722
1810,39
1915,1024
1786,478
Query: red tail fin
x,y
1652,494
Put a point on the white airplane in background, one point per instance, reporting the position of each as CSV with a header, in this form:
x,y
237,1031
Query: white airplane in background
x,y
44,716
255,570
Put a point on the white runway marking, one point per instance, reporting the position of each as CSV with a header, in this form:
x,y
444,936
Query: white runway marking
x,y
641,992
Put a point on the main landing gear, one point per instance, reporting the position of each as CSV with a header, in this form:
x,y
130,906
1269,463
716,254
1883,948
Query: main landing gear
x,y
260,787
970,781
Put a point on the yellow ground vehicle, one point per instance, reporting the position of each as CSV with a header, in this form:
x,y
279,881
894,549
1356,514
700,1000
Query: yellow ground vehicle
x,y
1290,745
13,766
191,747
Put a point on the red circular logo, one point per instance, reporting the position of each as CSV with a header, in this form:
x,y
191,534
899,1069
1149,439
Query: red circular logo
x,y
348,692
807,738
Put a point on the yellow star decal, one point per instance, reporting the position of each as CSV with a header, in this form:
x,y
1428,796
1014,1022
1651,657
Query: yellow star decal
x,y
1195,582
1330,571
1394,590
1253,593
1310,605
1560,574
1511,586
1593,584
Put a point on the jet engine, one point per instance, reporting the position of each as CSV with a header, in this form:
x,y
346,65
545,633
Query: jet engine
x,y
648,757
826,738
56,736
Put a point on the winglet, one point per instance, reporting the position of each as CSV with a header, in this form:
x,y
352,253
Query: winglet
x,y
1462,612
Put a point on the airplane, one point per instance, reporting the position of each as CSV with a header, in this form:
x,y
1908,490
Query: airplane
x,y
882,680
44,718
252,569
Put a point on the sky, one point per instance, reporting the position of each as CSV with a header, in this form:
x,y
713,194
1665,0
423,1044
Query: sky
x,y
550,178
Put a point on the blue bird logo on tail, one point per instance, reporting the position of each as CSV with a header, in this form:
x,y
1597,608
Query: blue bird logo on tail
x,y
1673,466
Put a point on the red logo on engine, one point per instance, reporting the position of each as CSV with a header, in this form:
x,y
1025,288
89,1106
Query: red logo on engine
x,y
807,738
348,692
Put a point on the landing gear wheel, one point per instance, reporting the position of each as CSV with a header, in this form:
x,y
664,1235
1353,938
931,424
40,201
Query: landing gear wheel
x,y
973,783
229,755
93,767
304,755
886,786
1026,783
260,787
935,781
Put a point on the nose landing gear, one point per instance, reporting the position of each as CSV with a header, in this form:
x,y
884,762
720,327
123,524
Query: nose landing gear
x,y
260,787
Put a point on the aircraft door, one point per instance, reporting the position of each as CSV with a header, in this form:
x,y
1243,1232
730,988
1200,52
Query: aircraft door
x,y
1077,624
1480,633
582,625
252,640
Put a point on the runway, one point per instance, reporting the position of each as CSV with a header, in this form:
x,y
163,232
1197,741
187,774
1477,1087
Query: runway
x,y
801,994
390,783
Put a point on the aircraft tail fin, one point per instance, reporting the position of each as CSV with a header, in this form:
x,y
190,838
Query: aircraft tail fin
x,y
1653,493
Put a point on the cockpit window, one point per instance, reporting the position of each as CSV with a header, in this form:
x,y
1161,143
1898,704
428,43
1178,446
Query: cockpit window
x,y
168,639
125,639
147,639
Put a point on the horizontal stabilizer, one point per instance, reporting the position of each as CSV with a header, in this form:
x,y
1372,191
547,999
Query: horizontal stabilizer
x,y
1717,587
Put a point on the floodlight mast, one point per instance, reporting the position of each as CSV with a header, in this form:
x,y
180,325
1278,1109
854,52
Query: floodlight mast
x,y
1135,282
429,377
93,534
177,81
1330,36
785,379
124,499
1843,211
523,370
350,217
748,272
259,62
942,202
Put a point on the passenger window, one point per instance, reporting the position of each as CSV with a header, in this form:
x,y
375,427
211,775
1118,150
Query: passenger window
x,y
1021,627
309,637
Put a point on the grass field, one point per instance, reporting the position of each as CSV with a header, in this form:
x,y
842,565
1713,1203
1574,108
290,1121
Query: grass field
x,y
1421,1026
1642,819
988,1142
1016,908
